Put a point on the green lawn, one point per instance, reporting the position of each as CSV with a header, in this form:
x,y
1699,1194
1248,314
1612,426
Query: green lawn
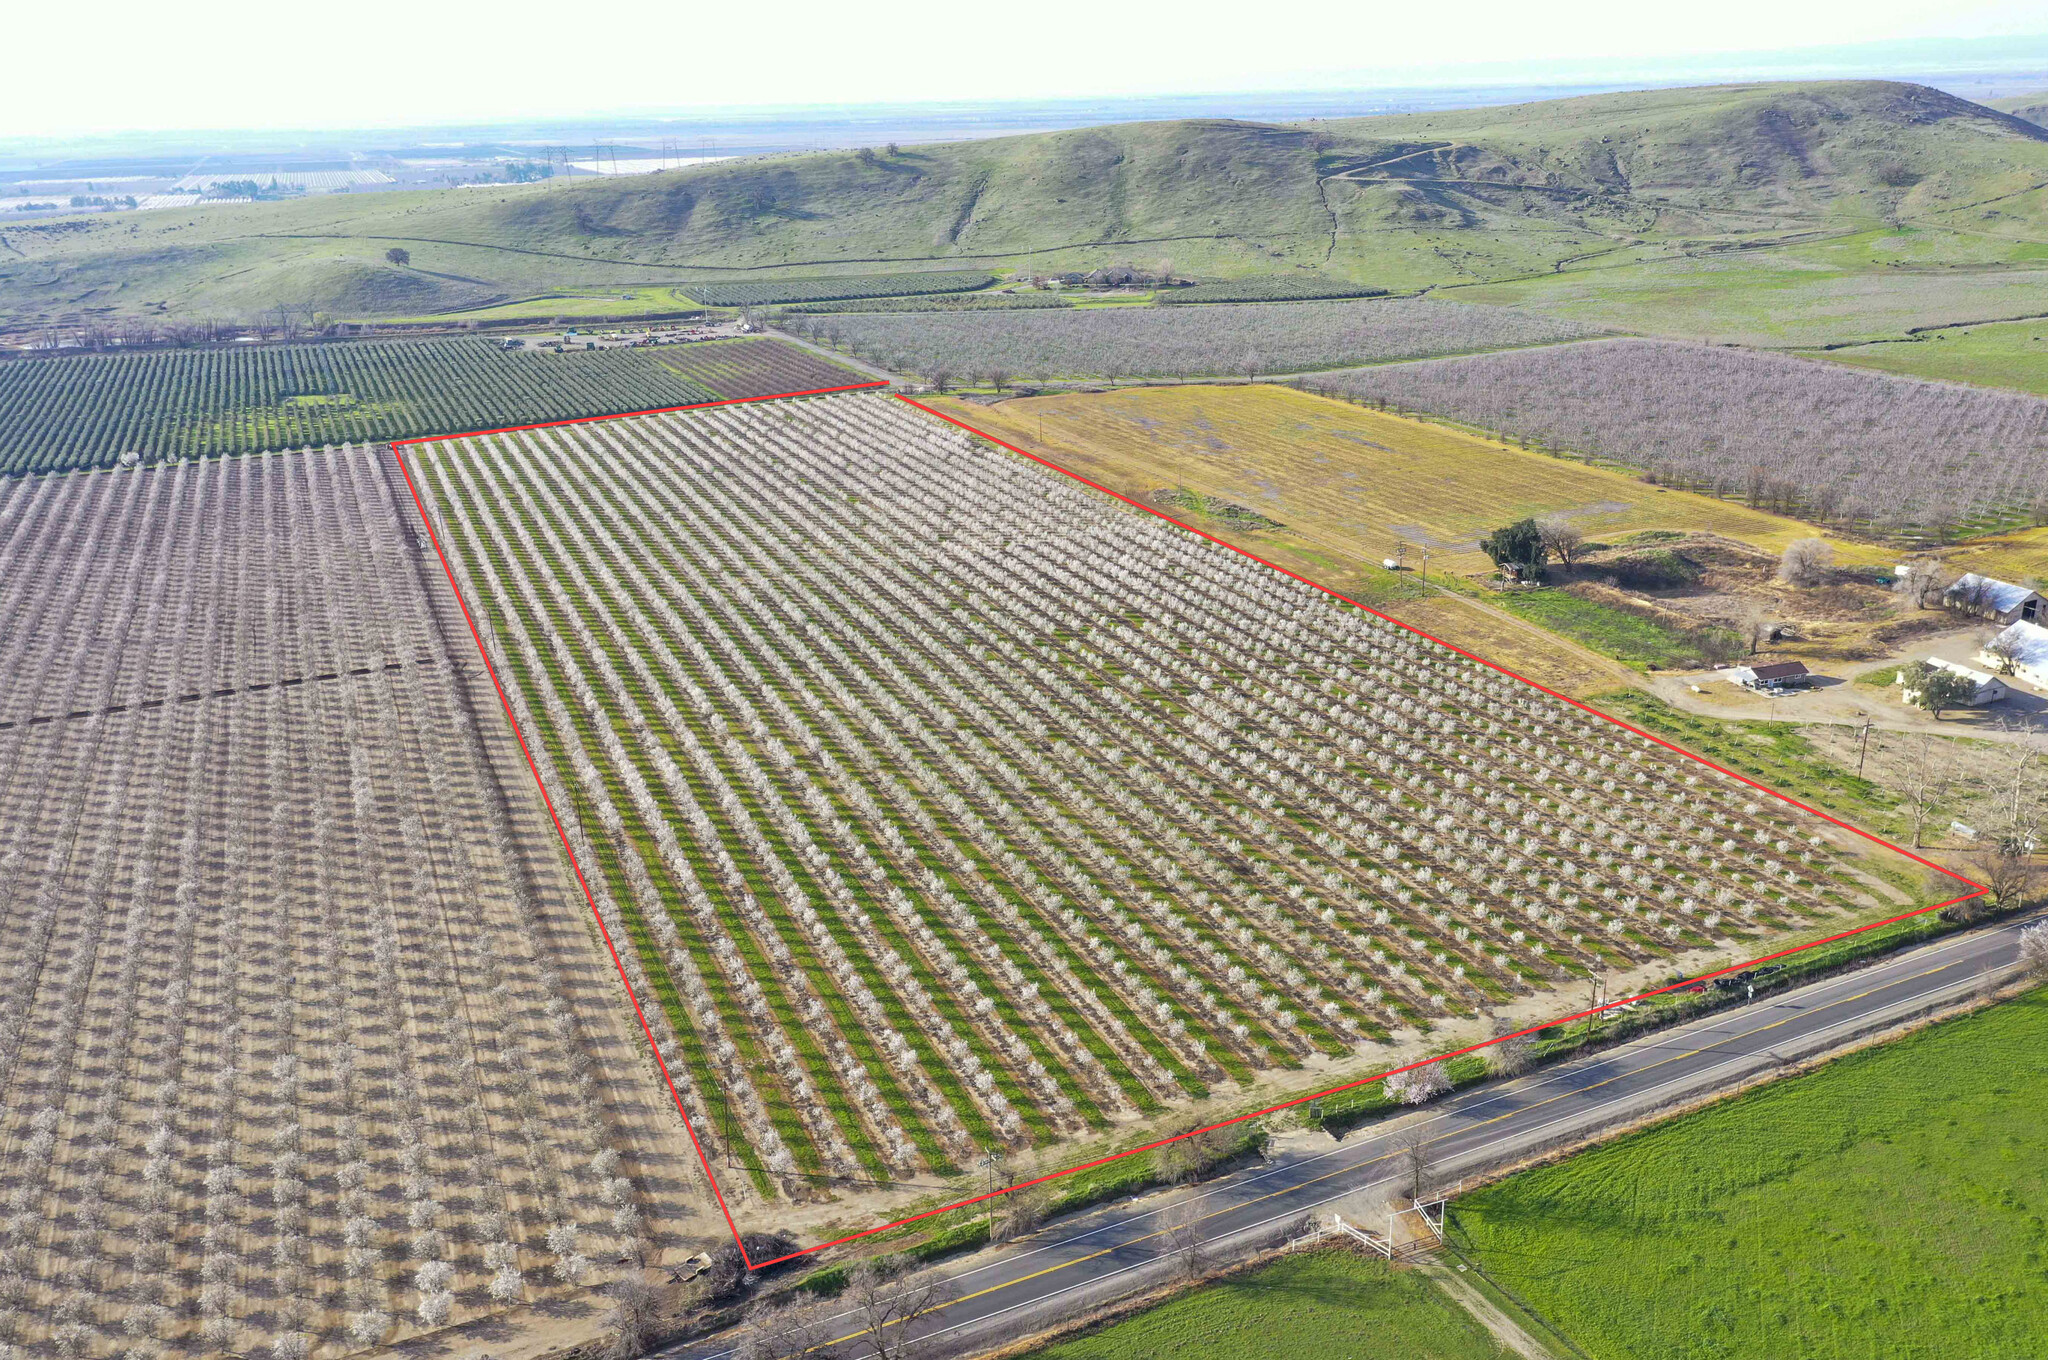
x,y
2010,354
1890,1205
1319,1304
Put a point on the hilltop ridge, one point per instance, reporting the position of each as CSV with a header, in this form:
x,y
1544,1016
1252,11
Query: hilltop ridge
x,y
1403,201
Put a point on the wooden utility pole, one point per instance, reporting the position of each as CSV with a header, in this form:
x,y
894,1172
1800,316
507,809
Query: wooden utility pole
x,y
1863,750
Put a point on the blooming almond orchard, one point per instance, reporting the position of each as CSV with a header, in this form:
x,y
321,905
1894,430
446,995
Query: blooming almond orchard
x,y
303,1046
940,803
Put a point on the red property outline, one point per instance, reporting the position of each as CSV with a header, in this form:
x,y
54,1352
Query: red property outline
x,y
689,1125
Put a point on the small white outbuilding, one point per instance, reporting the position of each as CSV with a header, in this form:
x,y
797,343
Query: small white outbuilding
x,y
1990,689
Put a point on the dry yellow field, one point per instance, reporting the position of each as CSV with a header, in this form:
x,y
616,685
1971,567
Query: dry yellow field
x,y
1355,480
2020,556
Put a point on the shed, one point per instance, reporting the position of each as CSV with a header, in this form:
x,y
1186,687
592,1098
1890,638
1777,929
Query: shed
x,y
1992,598
1772,675
1990,689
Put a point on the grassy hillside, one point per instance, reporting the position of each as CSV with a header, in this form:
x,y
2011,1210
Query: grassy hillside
x,y
1582,190
2032,107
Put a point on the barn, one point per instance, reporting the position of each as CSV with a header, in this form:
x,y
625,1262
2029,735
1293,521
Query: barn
x,y
1994,599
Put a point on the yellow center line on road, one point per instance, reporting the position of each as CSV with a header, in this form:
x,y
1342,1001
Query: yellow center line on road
x,y
1350,1167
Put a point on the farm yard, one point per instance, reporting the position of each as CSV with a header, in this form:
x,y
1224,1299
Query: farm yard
x,y
1174,342
768,292
1828,442
948,805
89,410
303,1046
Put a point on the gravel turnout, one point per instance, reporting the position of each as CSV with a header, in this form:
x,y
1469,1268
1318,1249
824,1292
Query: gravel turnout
x,y
1180,342
1833,443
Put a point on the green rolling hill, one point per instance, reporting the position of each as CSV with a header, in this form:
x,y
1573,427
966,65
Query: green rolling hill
x,y
1853,208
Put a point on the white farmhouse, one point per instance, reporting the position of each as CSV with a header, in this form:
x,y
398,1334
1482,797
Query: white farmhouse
x,y
2021,651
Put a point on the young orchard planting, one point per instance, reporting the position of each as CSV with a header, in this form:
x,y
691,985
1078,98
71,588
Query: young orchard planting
x,y
296,1039
946,804
102,410
1178,342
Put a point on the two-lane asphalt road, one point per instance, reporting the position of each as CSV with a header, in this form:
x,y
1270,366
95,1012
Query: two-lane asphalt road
x,y
1082,1263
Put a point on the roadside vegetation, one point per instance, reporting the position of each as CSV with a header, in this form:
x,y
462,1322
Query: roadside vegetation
x,y
1888,1204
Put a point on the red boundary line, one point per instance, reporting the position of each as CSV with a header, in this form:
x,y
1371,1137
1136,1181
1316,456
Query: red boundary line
x,y
1977,889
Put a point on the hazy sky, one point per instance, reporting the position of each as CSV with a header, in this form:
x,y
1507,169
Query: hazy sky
x,y
122,65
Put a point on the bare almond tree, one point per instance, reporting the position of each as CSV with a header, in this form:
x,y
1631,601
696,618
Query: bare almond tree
x,y
1925,781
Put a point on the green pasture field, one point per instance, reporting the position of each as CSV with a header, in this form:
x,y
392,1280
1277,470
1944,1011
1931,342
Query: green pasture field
x,y
1324,1305
2004,354
610,302
1613,632
1890,1205
1861,286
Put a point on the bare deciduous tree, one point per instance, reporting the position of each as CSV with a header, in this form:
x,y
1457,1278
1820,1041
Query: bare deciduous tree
x,y
629,1323
1806,562
2034,951
892,1310
2008,873
1416,1156
1511,1054
1561,538
1183,1240
1925,780
786,1330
